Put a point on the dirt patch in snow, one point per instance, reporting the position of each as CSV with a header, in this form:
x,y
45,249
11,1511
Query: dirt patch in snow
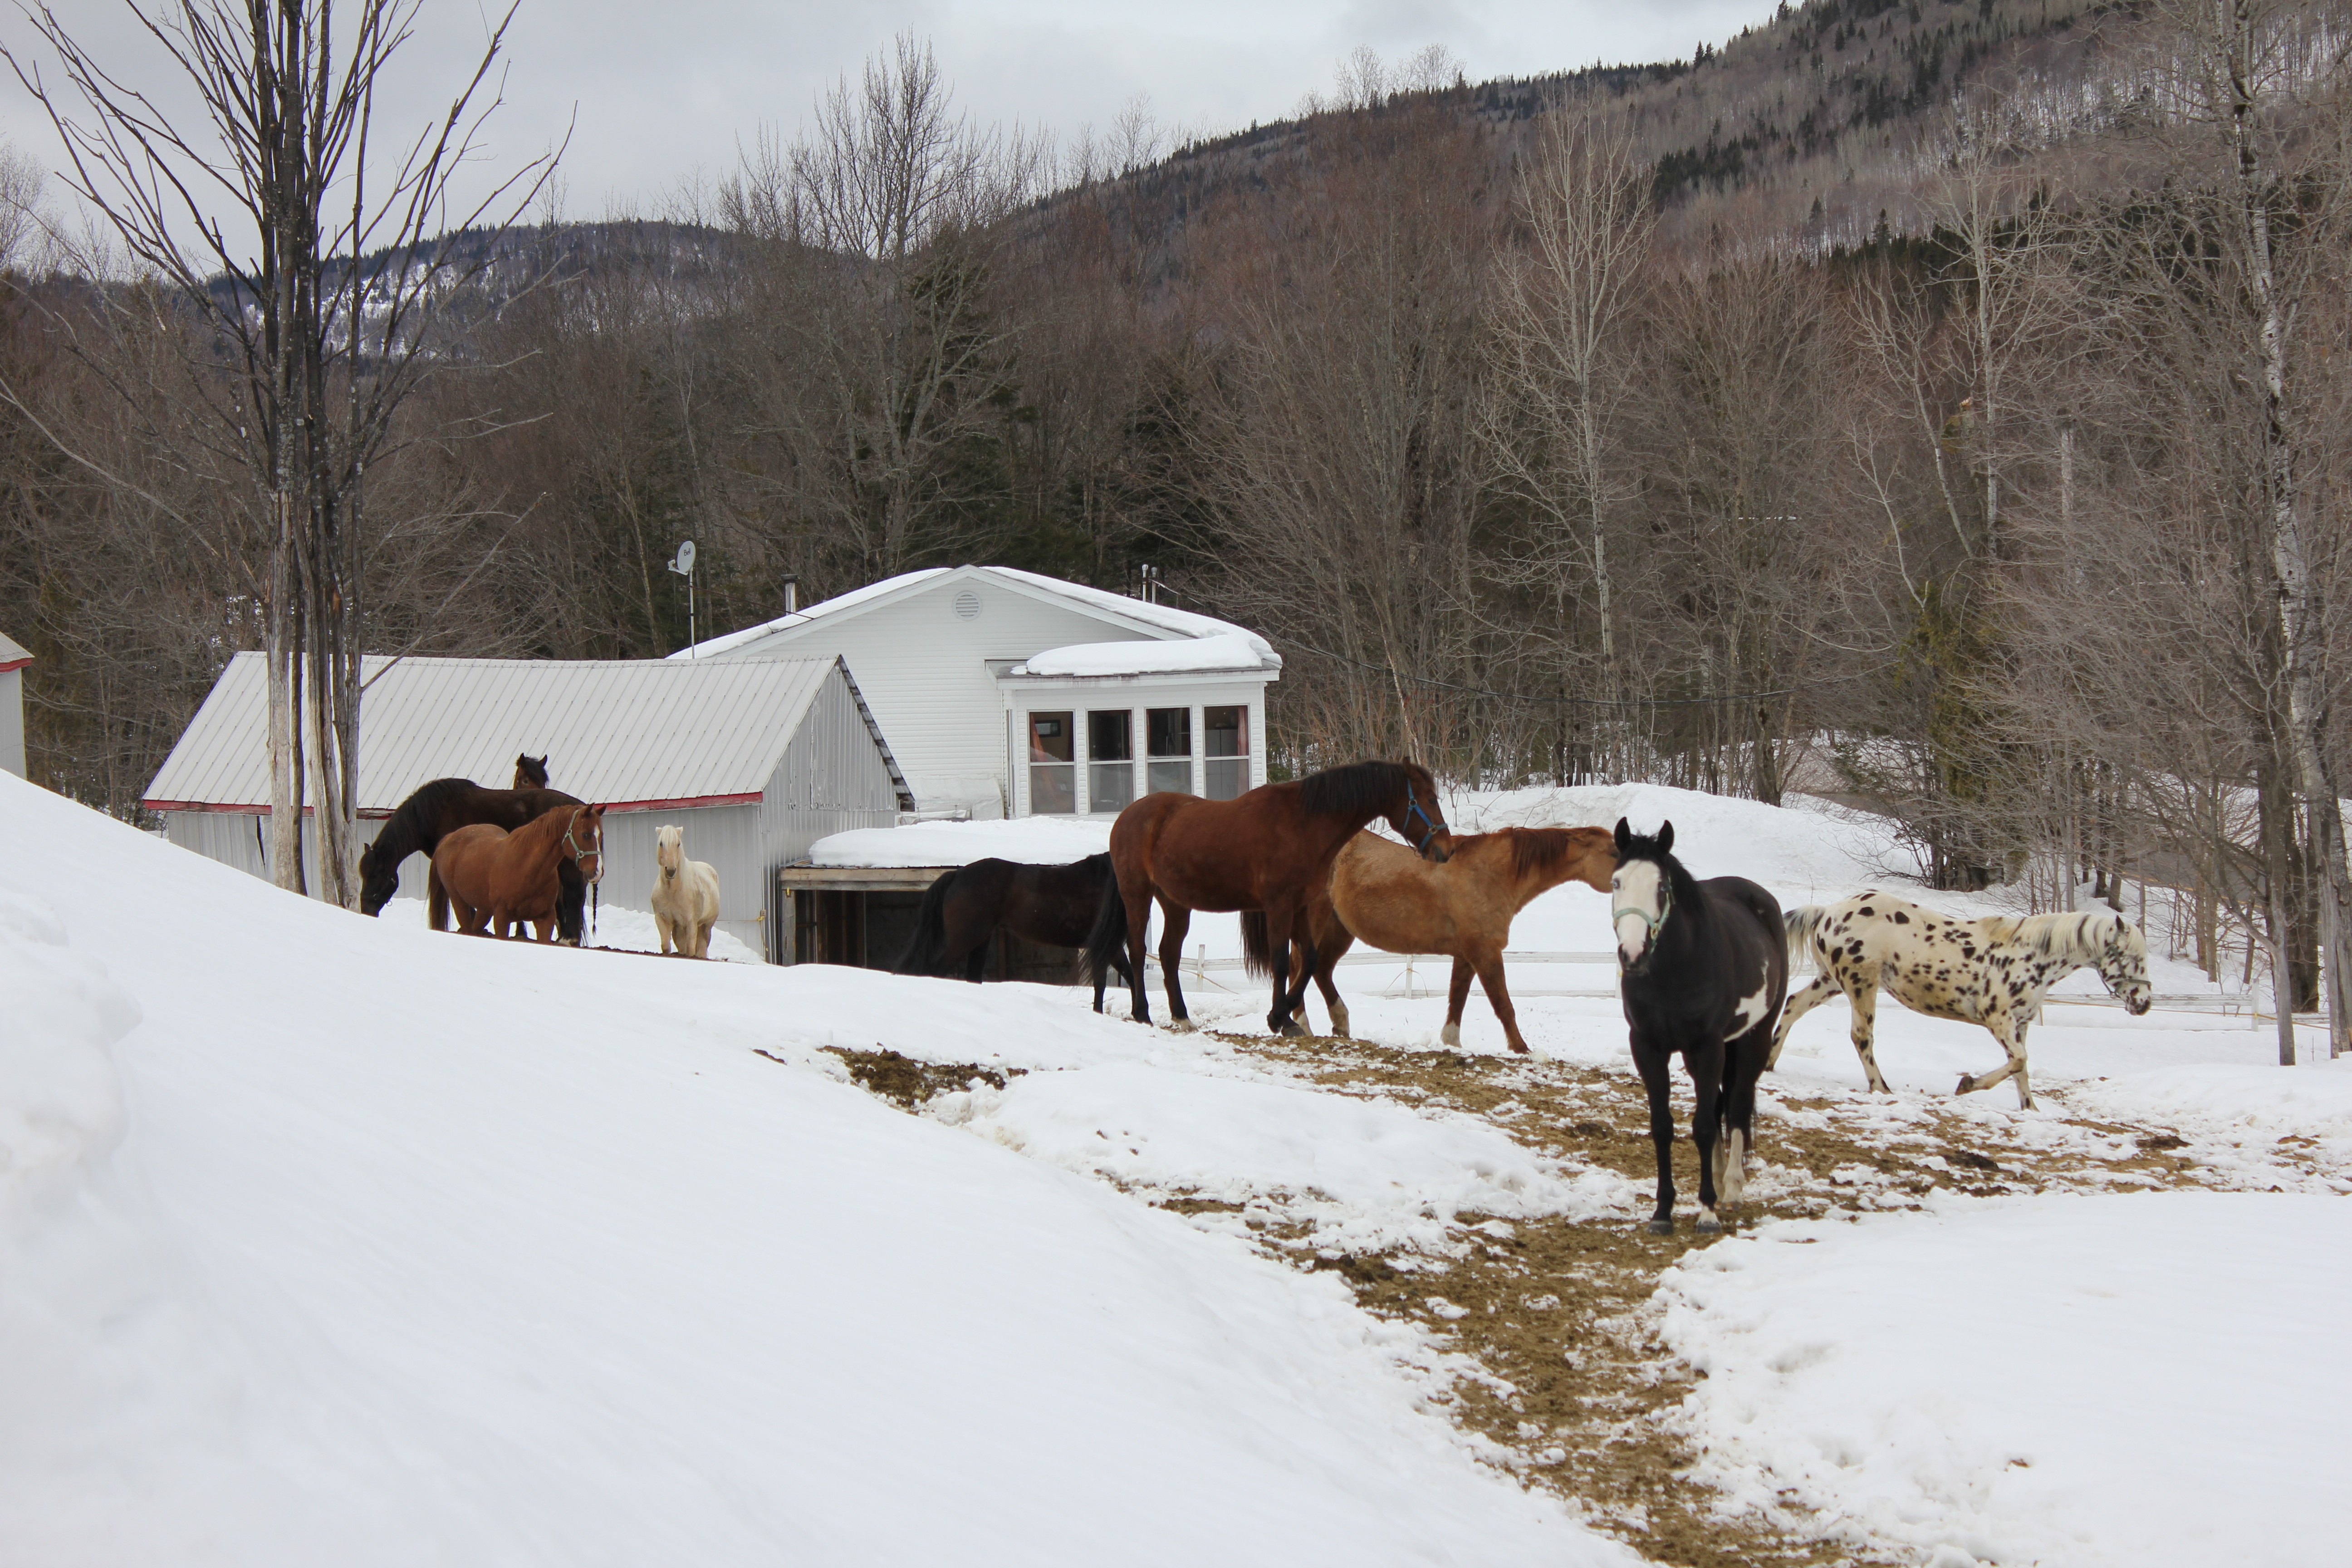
x,y
907,1082
1558,1313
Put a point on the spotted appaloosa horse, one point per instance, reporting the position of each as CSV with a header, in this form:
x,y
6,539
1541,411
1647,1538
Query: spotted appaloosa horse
x,y
1702,967
1992,972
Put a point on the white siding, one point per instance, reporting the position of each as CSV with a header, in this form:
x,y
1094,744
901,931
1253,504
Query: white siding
x,y
924,671
12,722
832,780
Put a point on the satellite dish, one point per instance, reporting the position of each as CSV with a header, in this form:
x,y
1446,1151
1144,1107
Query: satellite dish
x,y
684,564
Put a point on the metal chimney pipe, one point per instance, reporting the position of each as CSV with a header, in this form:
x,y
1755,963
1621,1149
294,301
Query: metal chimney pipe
x,y
791,592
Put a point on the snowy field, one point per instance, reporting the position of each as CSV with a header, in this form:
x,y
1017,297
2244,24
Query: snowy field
x,y
325,1239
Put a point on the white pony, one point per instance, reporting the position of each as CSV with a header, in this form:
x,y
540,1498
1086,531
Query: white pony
x,y
686,896
1990,972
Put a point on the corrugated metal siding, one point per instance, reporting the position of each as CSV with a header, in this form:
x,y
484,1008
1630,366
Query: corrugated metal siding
x,y
623,731
832,780
924,671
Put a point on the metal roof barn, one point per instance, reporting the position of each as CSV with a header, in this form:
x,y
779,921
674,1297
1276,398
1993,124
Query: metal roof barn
x,y
756,758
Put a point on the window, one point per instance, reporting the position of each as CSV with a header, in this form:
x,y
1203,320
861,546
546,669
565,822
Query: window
x,y
1226,730
1169,733
1110,760
1053,788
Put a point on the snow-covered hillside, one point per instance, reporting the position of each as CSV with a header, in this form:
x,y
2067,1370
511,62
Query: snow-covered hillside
x,y
325,1239
329,1239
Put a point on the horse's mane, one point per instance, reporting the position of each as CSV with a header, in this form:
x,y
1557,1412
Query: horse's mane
x,y
1358,787
404,831
2079,936
1541,850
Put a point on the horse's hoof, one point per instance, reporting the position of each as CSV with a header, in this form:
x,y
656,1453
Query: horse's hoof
x,y
1967,1083
1708,1224
1662,1227
1450,1035
1179,1026
1292,1030
1521,1047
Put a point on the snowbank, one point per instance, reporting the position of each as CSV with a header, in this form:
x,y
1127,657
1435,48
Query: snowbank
x,y
1227,650
418,1249
2145,1381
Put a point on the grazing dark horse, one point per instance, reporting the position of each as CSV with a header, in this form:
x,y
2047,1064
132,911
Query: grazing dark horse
x,y
417,825
1056,905
1703,969
495,880
530,772
1269,850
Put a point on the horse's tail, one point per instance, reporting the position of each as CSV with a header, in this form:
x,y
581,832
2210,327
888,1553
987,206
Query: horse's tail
x,y
437,898
1803,922
1106,944
1257,946
931,940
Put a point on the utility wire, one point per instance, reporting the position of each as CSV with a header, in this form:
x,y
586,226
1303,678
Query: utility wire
x,y
1582,701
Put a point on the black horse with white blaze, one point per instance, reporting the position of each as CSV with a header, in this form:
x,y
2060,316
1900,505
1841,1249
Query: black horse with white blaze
x,y
1703,969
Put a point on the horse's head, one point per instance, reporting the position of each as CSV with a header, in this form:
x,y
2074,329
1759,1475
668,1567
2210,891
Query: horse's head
x,y
2123,964
669,850
1418,818
377,882
1593,852
530,772
584,840
1640,893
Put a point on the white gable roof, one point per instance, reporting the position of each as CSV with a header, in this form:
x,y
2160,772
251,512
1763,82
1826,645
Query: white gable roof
x,y
1133,615
621,732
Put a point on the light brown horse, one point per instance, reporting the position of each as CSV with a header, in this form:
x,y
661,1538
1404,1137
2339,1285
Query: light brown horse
x,y
1268,850
494,879
1385,895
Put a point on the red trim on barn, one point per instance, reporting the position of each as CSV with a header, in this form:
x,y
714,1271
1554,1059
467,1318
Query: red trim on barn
x,y
15,664
371,814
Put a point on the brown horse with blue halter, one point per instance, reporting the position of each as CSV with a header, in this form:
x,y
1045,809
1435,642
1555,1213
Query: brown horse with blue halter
x,y
1268,850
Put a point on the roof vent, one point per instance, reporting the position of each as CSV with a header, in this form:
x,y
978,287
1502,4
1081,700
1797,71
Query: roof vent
x,y
967,606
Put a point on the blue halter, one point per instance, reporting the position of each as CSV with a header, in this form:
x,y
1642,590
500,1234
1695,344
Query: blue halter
x,y
1413,809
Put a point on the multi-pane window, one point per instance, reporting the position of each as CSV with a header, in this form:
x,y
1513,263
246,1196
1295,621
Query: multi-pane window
x,y
1168,732
1110,760
1226,730
1052,784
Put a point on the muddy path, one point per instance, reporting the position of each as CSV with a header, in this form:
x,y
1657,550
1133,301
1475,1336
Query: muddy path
x,y
1552,1319
1555,1312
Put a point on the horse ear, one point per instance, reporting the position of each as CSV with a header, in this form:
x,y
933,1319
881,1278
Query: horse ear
x,y
1624,836
1665,839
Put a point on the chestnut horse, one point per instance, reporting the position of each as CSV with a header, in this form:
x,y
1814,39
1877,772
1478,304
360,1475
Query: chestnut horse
x,y
494,879
1268,850
418,824
1383,894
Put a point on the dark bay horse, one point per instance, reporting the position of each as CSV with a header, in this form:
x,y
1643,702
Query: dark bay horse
x,y
1384,894
1703,970
530,772
495,879
432,810
1056,905
1268,850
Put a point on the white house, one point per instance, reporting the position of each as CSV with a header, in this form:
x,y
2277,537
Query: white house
x,y
756,758
1008,694
13,660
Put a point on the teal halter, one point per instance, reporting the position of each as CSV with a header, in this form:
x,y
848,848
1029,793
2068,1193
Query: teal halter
x,y
1666,908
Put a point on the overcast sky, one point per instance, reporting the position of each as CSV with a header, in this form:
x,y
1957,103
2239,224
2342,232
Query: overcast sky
x,y
665,89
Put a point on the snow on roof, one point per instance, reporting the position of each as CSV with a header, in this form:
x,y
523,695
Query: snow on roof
x,y
1227,650
854,599
624,731
1160,620
1028,840
12,655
